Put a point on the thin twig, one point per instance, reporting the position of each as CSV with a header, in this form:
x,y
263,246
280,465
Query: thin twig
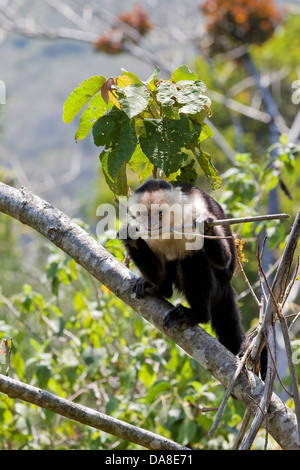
x,y
243,220
255,425
294,321
258,303
8,356
203,409
230,388
268,330
242,430
258,282
277,373
238,220
289,287
292,368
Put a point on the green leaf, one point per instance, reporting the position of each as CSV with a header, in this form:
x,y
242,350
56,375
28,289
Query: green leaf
x,y
105,128
188,174
139,163
193,99
147,375
80,96
114,242
133,99
205,133
183,73
43,374
117,134
187,431
133,77
150,83
166,95
79,302
156,390
205,162
118,185
111,405
73,269
162,141
95,110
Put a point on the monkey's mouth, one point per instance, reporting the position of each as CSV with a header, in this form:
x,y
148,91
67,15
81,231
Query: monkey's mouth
x,y
154,230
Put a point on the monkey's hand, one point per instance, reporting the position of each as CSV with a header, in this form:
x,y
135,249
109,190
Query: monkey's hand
x,y
203,226
179,314
208,229
142,287
128,233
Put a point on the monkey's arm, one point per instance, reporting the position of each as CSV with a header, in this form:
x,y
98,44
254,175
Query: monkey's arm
x,y
153,280
219,251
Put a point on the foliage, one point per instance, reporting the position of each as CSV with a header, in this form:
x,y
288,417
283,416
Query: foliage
x,y
82,343
150,125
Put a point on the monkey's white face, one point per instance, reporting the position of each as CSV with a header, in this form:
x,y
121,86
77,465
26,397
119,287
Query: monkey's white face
x,y
157,211
166,214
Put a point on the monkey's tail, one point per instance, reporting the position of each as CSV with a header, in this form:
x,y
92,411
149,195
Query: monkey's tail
x,y
264,363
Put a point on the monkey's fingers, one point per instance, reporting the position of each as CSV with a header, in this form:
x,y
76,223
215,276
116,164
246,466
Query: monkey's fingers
x,y
177,314
141,287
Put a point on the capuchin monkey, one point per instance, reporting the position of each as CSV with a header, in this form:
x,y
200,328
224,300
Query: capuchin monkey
x,y
169,241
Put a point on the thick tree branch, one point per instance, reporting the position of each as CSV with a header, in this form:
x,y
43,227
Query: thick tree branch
x,y
206,350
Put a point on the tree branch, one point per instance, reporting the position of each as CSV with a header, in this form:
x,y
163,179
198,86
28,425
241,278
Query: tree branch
x,y
267,330
206,350
85,415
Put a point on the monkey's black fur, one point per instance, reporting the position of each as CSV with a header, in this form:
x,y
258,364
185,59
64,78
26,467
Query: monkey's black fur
x,y
203,276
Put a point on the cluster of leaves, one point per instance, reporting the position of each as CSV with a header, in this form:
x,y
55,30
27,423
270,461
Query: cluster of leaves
x,y
247,184
153,125
240,21
113,41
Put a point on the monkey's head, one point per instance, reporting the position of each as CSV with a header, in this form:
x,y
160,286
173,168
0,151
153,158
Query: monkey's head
x,y
158,207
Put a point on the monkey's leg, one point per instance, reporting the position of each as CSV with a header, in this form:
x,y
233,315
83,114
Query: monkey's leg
x,y
156,278
195,280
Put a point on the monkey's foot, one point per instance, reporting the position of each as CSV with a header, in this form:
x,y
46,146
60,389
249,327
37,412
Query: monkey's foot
x,y
179,314
141,287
